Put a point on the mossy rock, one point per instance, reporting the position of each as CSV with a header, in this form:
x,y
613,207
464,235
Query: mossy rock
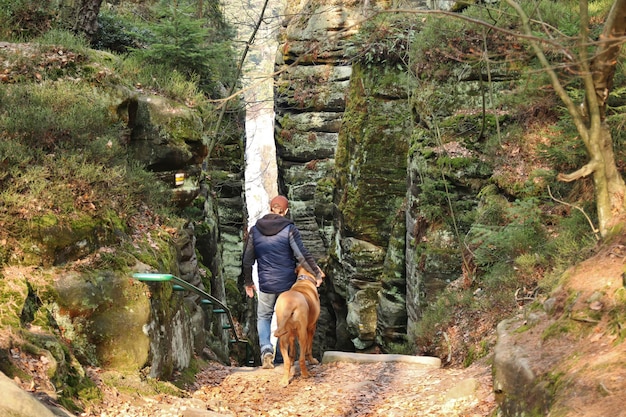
x,y
137,384
13,294
112,312
72,388
371,158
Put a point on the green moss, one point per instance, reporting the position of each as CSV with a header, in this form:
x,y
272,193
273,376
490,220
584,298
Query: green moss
x,y
287,123
114,221
132,383
88,392
46,221
371,157
13,294
559,328
400,348
184,129
475,353
63,370
119,260
9,369
188,375
233,297
163,258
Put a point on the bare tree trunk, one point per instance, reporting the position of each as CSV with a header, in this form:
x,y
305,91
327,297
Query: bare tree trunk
x,y
604,62
87,17
608,182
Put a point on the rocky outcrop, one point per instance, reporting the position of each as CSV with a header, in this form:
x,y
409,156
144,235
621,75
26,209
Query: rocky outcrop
x,y
517,382
220,231
166,137
116,322
310,100
369,194
342,142
105,312
357,161
163,134
310,96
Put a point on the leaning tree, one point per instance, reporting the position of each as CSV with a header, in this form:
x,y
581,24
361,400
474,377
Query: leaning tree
x,y
597,62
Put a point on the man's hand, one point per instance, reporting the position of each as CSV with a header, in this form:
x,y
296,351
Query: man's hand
x,y
250,290
320,278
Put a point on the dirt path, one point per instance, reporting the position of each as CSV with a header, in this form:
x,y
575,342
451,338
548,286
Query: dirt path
x,y
336,389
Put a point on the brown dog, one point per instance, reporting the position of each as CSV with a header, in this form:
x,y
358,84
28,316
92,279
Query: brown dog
x,y
297,311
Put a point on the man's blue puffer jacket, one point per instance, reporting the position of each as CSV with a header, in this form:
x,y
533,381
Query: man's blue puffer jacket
x,y
275,243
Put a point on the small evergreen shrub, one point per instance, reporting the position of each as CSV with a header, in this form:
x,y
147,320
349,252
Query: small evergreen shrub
x,y
505,231
118,34
182,42
565,152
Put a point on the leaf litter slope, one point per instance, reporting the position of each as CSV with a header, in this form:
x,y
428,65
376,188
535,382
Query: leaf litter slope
x,y
336,389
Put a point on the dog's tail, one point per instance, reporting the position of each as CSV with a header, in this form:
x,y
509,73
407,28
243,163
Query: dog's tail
x,y
286,308
282,321
280,331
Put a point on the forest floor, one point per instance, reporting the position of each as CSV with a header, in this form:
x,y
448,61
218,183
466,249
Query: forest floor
x,y
389,389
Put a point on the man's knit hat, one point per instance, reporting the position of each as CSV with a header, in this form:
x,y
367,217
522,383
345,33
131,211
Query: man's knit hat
x,y
281,202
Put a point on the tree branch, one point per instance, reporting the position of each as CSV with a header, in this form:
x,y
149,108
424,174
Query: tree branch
x,y
580,173
242,59
593,228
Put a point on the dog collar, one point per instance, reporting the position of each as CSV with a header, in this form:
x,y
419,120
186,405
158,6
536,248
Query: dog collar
x,y
307,278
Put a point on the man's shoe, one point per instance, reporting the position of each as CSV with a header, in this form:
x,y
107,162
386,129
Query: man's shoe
x,y
268,360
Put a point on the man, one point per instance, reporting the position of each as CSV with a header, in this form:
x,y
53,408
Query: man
x,y
274,242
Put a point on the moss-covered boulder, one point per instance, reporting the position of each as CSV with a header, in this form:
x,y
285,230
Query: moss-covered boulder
x,y
111,311
167,137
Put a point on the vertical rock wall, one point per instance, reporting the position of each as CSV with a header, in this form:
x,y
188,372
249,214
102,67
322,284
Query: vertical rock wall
x,y
311,87
342,140
369,195
351,162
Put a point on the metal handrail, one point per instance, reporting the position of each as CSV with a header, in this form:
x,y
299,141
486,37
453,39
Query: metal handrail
x,y
157,277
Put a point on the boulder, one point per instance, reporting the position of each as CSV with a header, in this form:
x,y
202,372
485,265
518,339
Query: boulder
x,y
15,402
519,390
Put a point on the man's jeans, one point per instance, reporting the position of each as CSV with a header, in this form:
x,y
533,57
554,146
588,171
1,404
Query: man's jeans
x,y
264,312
